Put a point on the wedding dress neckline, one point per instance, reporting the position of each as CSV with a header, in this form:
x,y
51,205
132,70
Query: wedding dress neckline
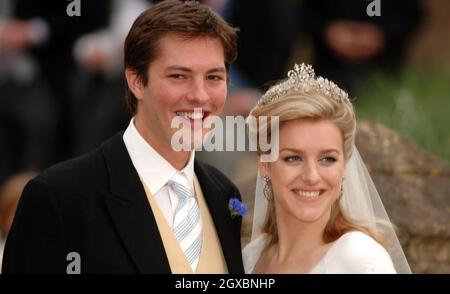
x,y
259,244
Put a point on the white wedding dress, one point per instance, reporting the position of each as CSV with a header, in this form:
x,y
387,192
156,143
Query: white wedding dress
x,y
353,253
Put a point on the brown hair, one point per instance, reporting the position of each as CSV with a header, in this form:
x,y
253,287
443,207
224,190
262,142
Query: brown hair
x,y
315,106
188,19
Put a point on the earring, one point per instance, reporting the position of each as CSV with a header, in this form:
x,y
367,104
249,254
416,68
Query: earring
x,y
342,189
268,189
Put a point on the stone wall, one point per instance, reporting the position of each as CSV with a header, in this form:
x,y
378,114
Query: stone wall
x,y
415,188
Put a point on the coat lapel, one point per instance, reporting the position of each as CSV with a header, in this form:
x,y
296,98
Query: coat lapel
x,y
130,210
217,201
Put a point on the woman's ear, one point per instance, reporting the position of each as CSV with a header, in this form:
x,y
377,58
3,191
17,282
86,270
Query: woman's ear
x,y
134,83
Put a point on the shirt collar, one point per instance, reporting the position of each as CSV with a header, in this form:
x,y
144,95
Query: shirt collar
x,y
154,170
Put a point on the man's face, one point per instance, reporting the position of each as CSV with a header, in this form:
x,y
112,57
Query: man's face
x,y
187,74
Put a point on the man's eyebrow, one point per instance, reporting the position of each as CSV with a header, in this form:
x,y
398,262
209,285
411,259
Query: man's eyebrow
x,y
187,69
177,67
217,69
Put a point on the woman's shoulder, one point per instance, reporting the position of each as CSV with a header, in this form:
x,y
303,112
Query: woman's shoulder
x,y
357,252
359,241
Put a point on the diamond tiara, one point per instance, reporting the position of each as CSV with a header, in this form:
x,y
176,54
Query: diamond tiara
x,y
302,77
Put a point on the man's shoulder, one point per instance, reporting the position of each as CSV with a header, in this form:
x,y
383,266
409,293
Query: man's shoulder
x,y
84,167
214,174
74,170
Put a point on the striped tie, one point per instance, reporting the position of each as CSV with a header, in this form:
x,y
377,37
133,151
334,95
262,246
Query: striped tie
x,y
187,226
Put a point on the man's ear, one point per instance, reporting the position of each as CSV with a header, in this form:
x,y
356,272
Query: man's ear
x,y
134,83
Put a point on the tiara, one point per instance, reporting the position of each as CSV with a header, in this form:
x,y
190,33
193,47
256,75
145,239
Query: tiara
x,y
302,77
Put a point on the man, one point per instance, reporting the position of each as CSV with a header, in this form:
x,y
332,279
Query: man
x,y
135,205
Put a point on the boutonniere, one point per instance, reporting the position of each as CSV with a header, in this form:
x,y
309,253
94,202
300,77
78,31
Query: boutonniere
x,y
237,208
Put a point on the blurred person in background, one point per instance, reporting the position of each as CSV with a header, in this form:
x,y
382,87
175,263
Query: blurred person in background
x,y
349,45
36,71
267,33
27,111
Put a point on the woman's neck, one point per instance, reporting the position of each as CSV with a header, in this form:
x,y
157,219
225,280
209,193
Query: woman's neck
x,y
296,238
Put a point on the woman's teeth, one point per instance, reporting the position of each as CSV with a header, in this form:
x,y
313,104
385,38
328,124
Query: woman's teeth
x,y
308,194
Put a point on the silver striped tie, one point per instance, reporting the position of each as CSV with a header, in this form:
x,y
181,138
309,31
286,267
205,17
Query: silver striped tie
x,y
187,223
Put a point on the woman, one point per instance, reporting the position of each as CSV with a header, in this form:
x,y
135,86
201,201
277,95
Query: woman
x,y
316,208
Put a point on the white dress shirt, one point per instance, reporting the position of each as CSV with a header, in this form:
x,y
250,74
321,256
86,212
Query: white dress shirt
x,y
155,171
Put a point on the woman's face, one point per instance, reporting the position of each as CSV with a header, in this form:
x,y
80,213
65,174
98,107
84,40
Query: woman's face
x,y
306,178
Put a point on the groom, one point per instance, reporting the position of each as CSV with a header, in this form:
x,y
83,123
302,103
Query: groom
x,y
134,205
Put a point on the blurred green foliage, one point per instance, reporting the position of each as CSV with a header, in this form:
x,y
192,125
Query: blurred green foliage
x,y
414,103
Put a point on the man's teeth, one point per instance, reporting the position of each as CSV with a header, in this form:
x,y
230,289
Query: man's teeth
x,y
191,115
308,194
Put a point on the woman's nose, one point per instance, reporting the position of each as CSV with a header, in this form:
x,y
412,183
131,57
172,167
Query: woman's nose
x,y
310,174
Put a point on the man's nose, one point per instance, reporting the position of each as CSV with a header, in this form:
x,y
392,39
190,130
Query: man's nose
x,y
198,93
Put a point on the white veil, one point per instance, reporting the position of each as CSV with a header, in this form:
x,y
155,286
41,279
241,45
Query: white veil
x,y
360,201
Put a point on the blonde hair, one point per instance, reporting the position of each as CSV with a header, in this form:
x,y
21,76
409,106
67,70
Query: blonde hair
x,y
313,105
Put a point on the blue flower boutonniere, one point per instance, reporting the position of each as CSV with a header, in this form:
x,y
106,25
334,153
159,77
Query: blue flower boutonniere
x,y
237,208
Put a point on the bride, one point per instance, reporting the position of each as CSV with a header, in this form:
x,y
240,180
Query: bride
x,y
316,208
